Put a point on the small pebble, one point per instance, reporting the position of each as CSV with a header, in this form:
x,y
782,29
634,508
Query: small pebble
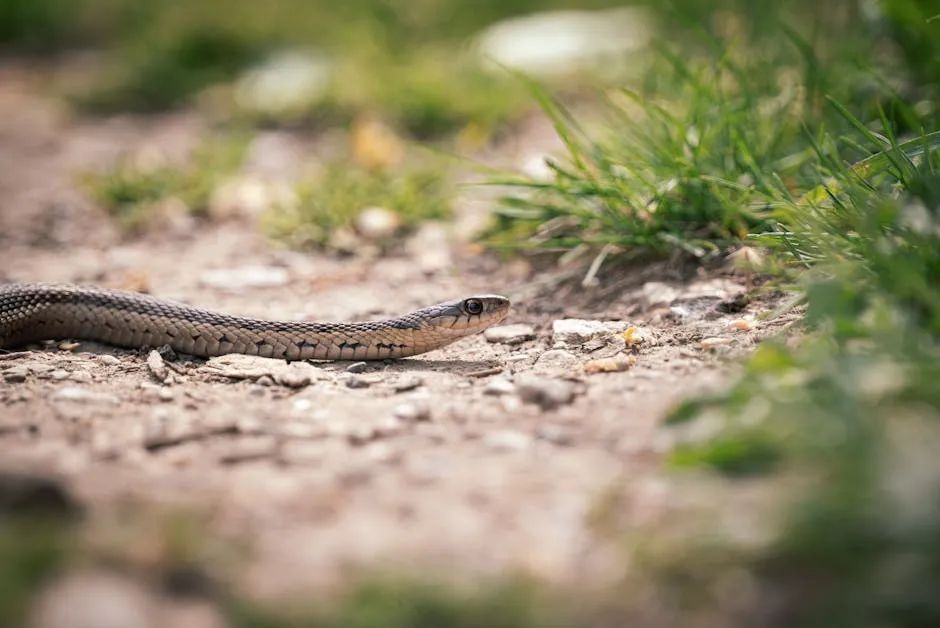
x,y
613,364
413,412
556,434
110,360
574,331
156,366
357,367
407,383
510,334
68,345
82,395
16,374
292,378
59,374
557,358
507,440
742,324
357,382
547,393
82,377
499,386
715,342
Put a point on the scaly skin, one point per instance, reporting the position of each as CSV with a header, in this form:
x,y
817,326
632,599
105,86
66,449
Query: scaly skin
x,y
33,312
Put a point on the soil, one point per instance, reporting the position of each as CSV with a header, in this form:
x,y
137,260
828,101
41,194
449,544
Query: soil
x,y
423,465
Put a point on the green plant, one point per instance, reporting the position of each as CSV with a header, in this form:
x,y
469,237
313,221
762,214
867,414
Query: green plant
x,y
135,194
848,406
332,201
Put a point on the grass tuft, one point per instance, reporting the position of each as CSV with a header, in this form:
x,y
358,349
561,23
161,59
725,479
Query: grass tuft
x,y
137,195
327,206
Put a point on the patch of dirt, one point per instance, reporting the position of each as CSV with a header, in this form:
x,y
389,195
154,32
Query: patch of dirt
x,y
418,464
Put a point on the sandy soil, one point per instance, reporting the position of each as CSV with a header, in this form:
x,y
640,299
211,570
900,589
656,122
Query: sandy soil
x,y
482,458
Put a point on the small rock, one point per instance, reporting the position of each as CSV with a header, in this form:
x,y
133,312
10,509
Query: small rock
x,y
157,367
657,292
357,367
69,345
388,427
110,360
266,371
742,324
510,334
547,393
16,374
248,196
82,395
357,382
613,364
167,353
407,383
413,412
59,374
293,377
499,386
580,40
574,331
377,223
594,345
507,440
81,377
556,434
715,342
557,358
286,85
679,312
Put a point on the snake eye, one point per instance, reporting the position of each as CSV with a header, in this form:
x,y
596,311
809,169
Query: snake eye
x,y
473,306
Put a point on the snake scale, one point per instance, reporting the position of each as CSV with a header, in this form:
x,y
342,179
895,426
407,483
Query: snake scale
x,y
30,312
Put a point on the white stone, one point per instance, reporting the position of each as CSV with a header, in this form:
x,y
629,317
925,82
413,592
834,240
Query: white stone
x,y
510,334
575,331
555,43
377,223
287,84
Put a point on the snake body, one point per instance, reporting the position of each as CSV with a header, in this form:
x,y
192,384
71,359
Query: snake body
x,y
34,312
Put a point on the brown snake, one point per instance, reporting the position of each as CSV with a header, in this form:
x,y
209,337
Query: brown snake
x,y
34,312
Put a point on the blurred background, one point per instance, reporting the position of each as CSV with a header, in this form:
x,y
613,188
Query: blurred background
x,y
579,143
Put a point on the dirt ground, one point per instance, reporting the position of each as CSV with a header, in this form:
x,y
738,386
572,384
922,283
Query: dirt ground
x,y
483,458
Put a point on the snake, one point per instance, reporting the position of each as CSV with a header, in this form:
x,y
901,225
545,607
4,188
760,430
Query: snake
x,y
33,312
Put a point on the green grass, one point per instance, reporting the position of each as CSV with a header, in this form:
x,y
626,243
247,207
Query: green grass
x,y
396,602
850,405
330,203
32,550
137,195
692,157
812,132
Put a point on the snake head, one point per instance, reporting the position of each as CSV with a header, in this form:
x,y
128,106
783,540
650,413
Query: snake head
x,y
464,316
